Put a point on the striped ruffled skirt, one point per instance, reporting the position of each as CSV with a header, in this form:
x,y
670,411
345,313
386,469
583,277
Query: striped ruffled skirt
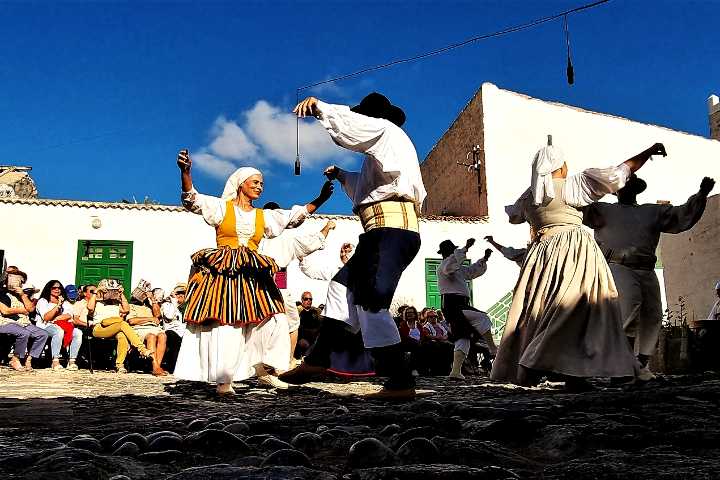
x,y
232,286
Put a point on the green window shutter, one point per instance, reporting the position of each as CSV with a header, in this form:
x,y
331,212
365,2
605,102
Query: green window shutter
x,y
98,259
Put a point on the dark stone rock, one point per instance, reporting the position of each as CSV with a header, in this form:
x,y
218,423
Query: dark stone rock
x,y
86,443
257,439
249,461
556,443
127,449
214,419
502,429
120,477
370,452
341,410
417,451
215,426
402,437
321,428
480,453
163,457
169,442
287,457
337,432
390,430
162,433
444,425
197,425
436,472
425,405
273,444
217,442
307,442
109,440
227,472
135,438
237,428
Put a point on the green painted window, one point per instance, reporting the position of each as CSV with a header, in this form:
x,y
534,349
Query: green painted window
x,y
98,259
432,291
498,314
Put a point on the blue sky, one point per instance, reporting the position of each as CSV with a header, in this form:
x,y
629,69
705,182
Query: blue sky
x,y
98,97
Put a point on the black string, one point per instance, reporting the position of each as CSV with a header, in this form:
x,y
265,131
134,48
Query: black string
x,y
453,46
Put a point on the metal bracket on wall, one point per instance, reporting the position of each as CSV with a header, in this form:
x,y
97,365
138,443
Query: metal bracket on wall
x,y
474,165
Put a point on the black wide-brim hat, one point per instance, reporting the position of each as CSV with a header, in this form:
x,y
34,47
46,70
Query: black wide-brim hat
x,y
635,184
377,105
447,246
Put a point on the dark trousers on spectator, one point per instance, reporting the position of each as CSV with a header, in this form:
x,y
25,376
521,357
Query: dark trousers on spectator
x,y
171,350
37,337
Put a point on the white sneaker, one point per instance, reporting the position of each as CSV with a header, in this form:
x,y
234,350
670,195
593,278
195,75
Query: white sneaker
x,y
645,374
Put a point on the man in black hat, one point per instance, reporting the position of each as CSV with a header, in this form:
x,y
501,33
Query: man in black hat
x,y
387,194
466,321
628,235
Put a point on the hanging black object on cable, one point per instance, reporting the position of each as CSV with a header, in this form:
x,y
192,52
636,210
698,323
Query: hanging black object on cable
x,y
570,69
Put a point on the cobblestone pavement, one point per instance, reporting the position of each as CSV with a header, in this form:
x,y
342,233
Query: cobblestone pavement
x,y
74,425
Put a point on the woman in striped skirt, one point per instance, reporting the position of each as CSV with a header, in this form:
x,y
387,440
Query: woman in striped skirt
x,y
232,298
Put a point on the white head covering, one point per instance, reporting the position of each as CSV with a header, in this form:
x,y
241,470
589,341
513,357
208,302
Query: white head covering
x,y
717,286
547,160
236,179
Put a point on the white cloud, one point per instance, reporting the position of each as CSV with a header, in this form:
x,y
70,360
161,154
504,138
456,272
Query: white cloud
x,y
230,141
267,135
212,165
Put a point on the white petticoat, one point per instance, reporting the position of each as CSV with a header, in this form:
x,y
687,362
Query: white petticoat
x,y
222,354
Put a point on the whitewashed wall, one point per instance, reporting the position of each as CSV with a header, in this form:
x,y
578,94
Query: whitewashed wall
x,y
42,240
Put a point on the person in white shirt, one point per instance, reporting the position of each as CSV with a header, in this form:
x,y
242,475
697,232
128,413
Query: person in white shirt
x,y
387,194
465,320
628,235
286,248
232,299
171,318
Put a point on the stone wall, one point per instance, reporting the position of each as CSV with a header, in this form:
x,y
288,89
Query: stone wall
x,y
691,262
452,189
714,113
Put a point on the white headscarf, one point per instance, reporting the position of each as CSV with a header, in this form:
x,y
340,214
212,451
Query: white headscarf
x,y
547,160
236,179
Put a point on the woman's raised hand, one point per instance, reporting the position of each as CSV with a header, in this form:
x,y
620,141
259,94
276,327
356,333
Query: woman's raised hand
x,y
183,160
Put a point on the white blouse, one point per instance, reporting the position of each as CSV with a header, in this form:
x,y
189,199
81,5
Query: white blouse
x,y
580,189
43,307
290,245
391,169
213,211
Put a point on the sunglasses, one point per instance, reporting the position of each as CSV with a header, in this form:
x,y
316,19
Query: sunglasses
x,y
55,288
306,299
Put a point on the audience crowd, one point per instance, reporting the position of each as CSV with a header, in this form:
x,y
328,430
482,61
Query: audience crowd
x,y
103,326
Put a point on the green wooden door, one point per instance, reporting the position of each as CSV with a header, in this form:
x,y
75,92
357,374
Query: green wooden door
x,y
432,291
98,259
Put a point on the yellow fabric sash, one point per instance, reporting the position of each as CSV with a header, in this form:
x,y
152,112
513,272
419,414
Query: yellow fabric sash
x,y
389,214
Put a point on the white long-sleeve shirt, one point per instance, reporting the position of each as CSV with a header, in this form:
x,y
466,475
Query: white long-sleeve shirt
x,y
453,275
292,245
212,210
391,170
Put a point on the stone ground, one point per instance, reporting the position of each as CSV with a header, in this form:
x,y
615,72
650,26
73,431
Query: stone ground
x,y
81,426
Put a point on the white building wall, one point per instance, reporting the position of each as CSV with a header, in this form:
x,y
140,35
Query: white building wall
x,y
42,240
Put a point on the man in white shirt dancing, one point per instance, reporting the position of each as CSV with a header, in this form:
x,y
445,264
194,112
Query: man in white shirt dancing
x,y
387,193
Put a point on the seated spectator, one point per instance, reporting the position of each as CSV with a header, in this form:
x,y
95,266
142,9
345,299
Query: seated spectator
x,y
55,316
144,317
442,321
437,351
410,335
310,322
80,310
108,308
172,321
15,306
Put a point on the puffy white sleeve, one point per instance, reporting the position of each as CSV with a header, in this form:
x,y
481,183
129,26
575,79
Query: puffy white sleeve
x,y
516,211
212,209
317,267
348,181
474,270
351,130
277,220
516,255
592,184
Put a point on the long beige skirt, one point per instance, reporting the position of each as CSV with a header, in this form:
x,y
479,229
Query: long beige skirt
x,y
565,315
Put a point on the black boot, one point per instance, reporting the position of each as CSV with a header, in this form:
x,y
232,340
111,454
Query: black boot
x,y
392,362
